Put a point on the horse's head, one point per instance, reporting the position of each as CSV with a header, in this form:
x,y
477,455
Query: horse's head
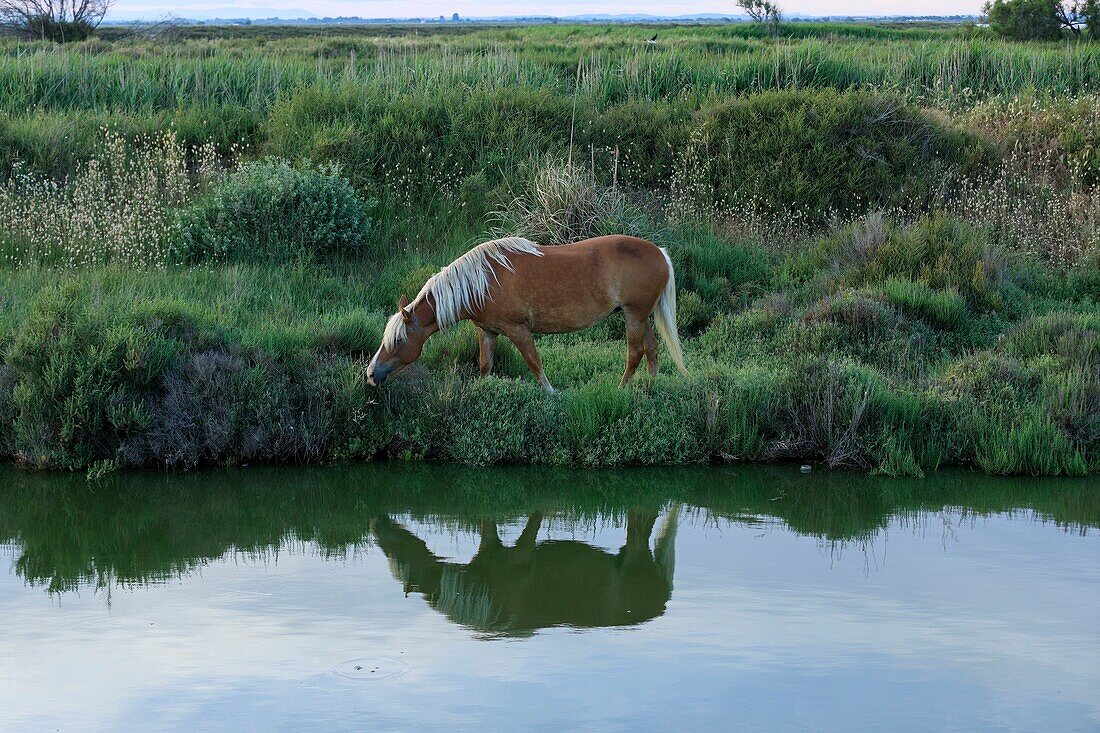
x,y
402,342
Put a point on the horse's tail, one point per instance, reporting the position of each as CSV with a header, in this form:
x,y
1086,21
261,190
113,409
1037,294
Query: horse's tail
x,y
664,317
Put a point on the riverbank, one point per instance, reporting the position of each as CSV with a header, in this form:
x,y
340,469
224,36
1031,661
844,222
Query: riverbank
x,y
862,364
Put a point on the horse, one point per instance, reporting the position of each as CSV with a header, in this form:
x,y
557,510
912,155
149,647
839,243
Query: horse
x,y
516,288
517,590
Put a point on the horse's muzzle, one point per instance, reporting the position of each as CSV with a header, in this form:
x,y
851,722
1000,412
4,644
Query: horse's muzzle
x,y
376,376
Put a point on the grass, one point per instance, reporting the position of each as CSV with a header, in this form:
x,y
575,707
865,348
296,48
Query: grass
x,y
886,244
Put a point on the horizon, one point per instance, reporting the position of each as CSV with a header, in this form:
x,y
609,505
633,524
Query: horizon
x,y
429,9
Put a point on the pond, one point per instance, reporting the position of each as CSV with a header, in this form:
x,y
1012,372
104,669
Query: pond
x,y
396,597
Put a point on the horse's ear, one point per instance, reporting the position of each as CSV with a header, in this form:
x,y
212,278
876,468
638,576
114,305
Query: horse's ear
x,y
403,306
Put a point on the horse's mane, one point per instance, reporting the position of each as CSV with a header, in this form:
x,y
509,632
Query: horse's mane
x,y
461,285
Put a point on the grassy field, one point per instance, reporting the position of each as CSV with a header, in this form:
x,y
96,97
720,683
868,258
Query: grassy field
x,y
885,239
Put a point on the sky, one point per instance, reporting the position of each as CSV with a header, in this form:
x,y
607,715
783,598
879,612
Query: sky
x,y
473,8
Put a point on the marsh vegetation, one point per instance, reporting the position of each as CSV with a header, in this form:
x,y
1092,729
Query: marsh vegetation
x,y
885,239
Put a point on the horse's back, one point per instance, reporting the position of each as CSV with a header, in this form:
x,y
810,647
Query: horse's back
x,y
572,286
615,263
615,249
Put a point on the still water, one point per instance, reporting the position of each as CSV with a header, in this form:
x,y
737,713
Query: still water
x,y
387,597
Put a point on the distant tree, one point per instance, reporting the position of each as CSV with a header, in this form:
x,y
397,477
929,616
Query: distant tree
x,y
52,20
455,18
1043,20
1090,17
763,11
1082,15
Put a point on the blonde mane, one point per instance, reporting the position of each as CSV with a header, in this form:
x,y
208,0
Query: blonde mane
x,y
462,285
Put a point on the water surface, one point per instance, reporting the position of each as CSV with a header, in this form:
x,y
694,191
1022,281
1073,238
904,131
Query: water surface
x,y
391,597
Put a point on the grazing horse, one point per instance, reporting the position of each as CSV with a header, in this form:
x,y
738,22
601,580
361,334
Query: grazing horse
x,y
534,585
517,288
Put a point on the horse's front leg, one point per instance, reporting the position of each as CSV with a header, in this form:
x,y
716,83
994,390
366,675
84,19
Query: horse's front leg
x,y
521,337
487,348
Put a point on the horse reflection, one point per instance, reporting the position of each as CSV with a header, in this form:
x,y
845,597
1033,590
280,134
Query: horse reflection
x,y
533,585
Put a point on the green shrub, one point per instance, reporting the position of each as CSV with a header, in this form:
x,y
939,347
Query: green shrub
x,y
818,152
81,380
824,413
1075,336
910,431
495,420
424,141
273,211
357,332
936,251
864,318
693,315
988,377
588,412
54,143
1073,400
941,253
647,135
1028,442
943,308
7,411
744,413
661,421
715,267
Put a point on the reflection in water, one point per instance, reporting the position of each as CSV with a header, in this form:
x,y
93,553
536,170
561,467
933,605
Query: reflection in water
x,y
534,585
969,602
146,528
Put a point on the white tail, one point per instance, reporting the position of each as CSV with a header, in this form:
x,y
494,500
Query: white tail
x,y
664,317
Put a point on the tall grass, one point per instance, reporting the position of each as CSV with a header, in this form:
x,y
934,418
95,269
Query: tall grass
x,y
690,65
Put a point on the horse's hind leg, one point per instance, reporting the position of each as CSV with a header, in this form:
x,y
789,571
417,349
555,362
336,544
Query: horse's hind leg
x,y
636,325
650,348
521,337
487,347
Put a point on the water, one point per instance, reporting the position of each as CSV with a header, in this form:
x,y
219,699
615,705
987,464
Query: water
x,y
432,597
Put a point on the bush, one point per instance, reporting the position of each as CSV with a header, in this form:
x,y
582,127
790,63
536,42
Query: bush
x,y
938,252
1075,336
501,421
715,267
1030,443
273,211
816,152
7,411
55,143
667,425
422,142
80,382
564,203
118,207
943,308
986,377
